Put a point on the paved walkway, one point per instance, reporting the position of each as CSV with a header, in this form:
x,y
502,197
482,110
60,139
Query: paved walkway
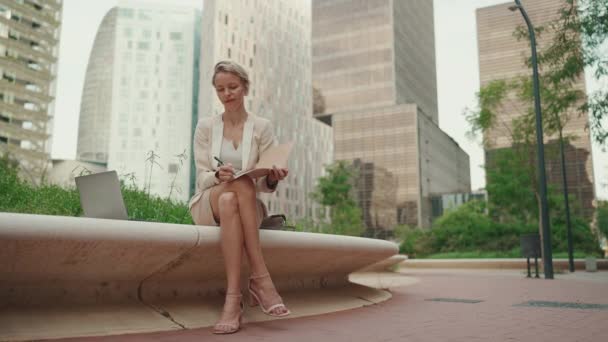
x,y
411,315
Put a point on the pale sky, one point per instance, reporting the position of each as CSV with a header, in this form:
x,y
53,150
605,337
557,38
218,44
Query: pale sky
x,y
457,74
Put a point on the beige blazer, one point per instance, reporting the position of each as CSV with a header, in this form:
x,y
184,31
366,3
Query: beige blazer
x,y
257,137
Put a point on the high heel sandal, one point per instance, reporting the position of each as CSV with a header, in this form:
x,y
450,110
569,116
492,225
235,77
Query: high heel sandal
x,y
232,326
254,299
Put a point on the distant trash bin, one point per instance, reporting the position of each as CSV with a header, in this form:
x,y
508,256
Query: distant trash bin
x,y
530,248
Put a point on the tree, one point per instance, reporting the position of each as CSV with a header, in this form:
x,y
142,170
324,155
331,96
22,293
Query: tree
x,y
511,172
511,192
576,37
334,190
602,217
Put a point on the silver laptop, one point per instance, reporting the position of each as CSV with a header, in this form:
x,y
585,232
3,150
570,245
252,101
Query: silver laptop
x,y
100,196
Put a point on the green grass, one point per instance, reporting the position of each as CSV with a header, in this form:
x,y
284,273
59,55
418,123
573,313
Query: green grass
x,y
577,255
17,196
515,253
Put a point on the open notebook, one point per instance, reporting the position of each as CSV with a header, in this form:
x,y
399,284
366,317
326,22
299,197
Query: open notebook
x,y
275,155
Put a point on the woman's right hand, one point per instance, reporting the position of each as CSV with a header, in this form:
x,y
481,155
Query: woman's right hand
x,y
225,173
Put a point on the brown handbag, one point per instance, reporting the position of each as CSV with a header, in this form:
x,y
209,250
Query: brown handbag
x,y
276,222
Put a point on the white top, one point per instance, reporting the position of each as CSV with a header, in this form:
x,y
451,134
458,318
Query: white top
x,y
230,155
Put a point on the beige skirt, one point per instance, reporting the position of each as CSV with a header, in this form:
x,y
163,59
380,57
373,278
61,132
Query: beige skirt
x,y
202,214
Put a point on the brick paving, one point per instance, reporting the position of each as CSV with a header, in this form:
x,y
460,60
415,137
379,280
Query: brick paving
x,y
410,316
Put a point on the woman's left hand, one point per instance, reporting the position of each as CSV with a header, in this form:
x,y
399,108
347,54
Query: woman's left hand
x,y
277,174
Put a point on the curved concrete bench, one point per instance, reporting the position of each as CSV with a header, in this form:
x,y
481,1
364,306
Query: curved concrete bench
x,y
98,277
386,265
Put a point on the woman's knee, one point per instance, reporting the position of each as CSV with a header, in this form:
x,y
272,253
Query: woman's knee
x,y
244,185
228,202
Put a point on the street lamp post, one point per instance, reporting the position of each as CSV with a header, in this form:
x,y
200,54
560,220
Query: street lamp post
x,y
546,229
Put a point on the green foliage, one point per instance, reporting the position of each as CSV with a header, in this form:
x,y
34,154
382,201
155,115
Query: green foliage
x,y
469,228
415,242
468,231
576,44
307,225
514,253
346,219
489,99
334,190
465,229
602,217
511,173
143,207
583,239
510,186
21,197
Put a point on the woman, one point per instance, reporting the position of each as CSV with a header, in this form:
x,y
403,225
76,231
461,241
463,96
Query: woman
x,y
223,145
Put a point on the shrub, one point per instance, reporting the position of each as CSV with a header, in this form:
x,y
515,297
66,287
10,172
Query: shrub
x,y
467,230
21,197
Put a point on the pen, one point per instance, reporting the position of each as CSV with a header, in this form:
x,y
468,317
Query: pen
x,y
219,160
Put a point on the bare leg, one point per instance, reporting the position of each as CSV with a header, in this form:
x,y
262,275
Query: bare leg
x,y
231,240
232,250
247,208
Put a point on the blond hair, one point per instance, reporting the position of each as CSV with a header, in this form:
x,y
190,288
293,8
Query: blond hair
x,y
232,68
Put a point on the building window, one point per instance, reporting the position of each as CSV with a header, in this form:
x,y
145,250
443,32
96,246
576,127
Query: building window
x,y
175,36
228,52
126,12
143,45
226,19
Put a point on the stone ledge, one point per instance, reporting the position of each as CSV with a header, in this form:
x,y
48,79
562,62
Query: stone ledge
x,y
87,270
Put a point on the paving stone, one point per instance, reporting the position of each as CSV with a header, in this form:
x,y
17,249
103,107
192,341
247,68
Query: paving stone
x,y
409,316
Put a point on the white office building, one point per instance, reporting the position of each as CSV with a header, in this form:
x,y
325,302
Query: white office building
x,y
139,99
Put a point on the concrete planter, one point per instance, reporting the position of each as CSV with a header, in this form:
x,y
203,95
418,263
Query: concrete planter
x,y
99,277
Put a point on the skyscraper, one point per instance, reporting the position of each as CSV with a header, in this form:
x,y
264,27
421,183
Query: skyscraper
x,y
271,40
374,74
138,96
29,44
502,56
375,53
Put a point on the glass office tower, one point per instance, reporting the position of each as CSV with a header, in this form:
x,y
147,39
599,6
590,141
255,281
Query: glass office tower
x,y
375,81
138,96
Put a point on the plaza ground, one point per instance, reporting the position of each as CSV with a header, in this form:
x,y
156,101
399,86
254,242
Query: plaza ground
x,y
442,305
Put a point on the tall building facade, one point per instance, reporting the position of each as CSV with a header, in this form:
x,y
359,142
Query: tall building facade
x,y
502,56
138,102
29,44
271,40
375,80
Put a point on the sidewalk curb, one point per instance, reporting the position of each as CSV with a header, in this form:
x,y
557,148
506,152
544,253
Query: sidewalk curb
x,y
579,264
